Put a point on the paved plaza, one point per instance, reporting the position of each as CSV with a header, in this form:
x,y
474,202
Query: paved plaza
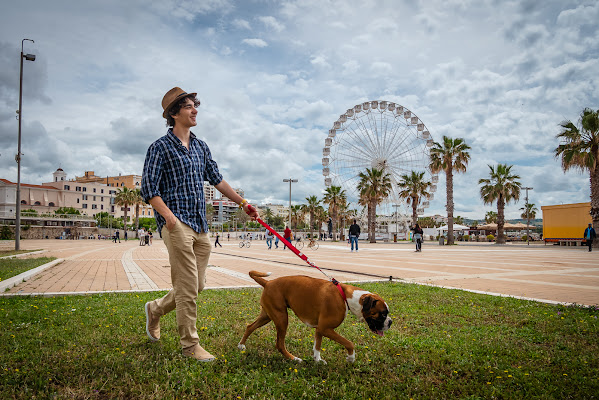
x,y
545,273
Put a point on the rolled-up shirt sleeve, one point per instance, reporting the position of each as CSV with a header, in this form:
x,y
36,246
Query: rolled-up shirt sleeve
x,y
152,174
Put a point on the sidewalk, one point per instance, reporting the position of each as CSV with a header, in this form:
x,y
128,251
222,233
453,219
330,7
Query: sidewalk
x,y
544,273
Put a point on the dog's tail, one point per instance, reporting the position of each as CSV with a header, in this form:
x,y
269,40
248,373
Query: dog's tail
x,y
259,277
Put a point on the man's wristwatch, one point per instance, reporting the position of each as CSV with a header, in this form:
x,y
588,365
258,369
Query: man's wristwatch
x,y
243,203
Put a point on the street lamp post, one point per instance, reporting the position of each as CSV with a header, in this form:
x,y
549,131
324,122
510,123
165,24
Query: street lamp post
x,y
290,182
28,57
527,215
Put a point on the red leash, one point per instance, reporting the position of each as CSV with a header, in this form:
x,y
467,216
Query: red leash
x,y
299,254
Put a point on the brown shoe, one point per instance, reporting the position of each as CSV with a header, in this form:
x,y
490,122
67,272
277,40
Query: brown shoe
x,y
197,352
152,323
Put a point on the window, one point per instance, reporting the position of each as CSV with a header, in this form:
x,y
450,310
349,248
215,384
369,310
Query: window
x,y
102,207
94,206
84,197
84,205
67,187
101,190
84,189
77,201
94,190
94,196
51,204
23,202
37,203
77,188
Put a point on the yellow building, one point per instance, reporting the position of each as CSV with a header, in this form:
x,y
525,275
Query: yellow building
x,y
565,223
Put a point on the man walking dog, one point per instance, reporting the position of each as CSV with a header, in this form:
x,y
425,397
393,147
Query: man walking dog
x,y
175,169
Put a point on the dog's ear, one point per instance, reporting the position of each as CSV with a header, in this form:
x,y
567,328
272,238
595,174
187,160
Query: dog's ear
x,y
368,303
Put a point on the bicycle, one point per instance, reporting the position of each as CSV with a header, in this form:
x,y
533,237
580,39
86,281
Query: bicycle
x,y
246,243
313,244
299,244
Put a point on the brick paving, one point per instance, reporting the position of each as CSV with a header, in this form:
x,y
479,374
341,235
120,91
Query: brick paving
x,y
544,273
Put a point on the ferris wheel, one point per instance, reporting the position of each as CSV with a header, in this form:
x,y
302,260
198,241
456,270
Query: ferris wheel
x,y
382,135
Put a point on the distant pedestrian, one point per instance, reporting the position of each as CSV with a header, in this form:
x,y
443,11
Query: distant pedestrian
x,y
125,235
150,235
269,237
228,237
117,236
354,233
286,236
589,235
418,232
277,243
216,242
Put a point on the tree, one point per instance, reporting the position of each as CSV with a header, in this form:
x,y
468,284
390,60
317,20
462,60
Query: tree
x,y
296,215
137,200
334,196
413,188
374,187
450,156
491,217
67,210
580,150
320,215
310,208
210,211
502,186
125,197
529,211
268,216
459,220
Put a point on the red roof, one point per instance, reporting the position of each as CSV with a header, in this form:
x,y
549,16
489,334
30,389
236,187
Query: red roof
x,y
28,185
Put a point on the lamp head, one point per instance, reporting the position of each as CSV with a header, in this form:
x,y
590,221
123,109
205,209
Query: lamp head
x,y
29,57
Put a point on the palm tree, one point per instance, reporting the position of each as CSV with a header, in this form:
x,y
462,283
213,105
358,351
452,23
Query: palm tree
x,y
310,208
374,187
580,150
320,215
529,211
137,200
459,220
296,215
125,197
503,187
268,216
491,217
334,196
451,156
413,188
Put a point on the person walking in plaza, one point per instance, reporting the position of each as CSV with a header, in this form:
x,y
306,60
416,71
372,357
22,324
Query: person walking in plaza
x,y
418,232
354,233
117,236
287,236
269,237
277,242
590,235
216,242
175,168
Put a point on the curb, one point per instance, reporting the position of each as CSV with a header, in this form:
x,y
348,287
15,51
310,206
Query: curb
x,y
24,254
15,280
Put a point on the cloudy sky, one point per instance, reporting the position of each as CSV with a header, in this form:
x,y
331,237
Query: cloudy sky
x,y
273,76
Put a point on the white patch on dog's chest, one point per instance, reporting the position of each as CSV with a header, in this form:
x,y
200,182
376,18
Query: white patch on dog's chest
x,y
354,303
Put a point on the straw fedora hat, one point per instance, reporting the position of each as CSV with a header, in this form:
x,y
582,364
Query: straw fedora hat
x,y
171,97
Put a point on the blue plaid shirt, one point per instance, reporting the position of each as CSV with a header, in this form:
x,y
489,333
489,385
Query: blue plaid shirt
x,y
177,175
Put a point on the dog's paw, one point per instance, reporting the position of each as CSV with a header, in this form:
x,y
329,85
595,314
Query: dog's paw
x,y
241,347
299,360
320,361
351,358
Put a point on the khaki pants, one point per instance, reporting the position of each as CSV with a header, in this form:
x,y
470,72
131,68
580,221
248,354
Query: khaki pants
x,y
188,253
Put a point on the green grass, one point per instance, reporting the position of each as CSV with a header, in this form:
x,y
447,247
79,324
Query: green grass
x,y
10,267
444,344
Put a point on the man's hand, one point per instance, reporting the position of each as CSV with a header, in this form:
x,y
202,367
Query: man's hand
x,y
170,221
251,211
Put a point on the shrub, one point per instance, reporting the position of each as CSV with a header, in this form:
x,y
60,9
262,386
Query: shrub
x,y
466,238
490,238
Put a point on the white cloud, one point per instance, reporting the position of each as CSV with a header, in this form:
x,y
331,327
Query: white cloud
x,y
255,42
272,23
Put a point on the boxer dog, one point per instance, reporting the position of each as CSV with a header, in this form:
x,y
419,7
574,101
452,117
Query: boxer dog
x,y
319,304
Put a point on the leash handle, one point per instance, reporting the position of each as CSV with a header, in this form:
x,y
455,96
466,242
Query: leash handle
x,y
291,247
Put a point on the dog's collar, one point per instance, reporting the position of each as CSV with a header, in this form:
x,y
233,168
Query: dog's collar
x,y
336,283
